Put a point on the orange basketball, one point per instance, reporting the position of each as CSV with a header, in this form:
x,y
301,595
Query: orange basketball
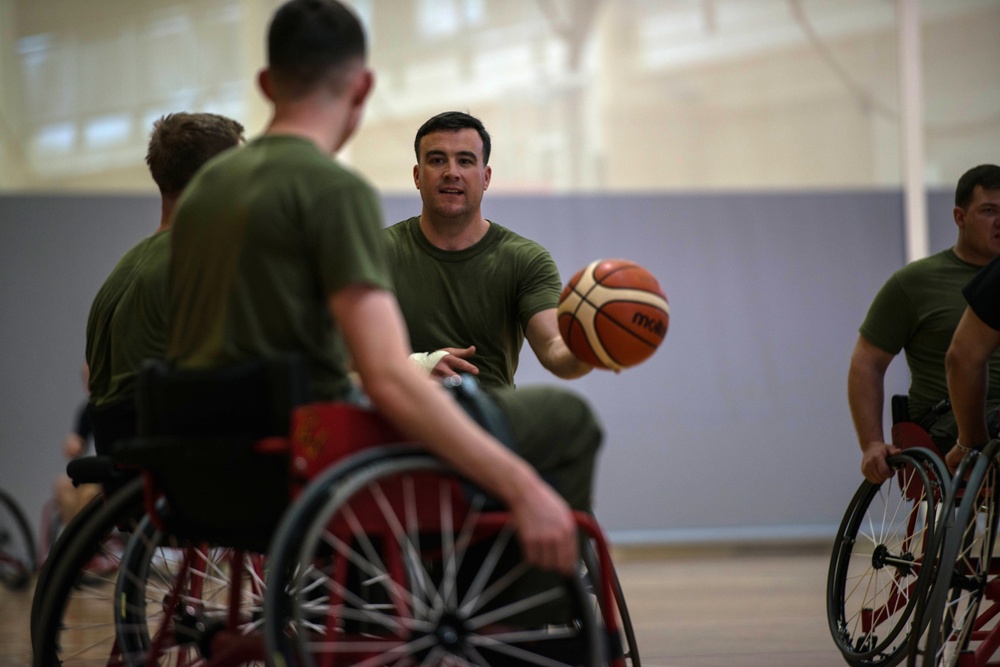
x,y
613,314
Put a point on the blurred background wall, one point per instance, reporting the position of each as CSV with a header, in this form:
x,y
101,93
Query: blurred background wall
x,y
749,152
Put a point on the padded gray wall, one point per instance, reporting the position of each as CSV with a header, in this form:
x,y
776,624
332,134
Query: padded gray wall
x,y
737,428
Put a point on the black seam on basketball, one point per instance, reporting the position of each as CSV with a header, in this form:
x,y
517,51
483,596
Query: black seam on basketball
x,y
583,299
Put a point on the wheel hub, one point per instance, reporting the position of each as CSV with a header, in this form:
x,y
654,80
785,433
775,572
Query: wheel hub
x,y
881,557
450,631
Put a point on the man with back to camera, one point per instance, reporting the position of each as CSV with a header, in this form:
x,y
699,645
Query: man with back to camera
x,y
128,318
470,290
278,248
917,311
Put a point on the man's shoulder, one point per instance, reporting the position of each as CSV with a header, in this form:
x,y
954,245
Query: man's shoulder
x,y
511,241
132,258
286,158
934,267
400,229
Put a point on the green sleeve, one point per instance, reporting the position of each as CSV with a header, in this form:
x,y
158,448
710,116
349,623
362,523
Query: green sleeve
x,y
540,288
891,318
348,238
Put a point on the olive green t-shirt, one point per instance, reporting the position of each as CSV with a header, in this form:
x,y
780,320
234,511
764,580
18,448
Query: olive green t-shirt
x,y
128,319
917,311
483,295
263,235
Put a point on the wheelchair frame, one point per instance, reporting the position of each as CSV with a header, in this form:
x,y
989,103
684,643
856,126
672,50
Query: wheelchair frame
x,y
945,623
235,630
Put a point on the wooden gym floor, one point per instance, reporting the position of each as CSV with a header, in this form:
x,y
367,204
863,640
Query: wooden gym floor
x,y
736,606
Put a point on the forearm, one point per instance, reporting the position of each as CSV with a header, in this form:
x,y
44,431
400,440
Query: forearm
x,y
866,398
562,363
416,405
544,338
405,397
967,384
967,371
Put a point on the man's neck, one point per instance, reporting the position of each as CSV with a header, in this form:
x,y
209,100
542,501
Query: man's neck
x,y
167,204
453,234
970,256
323,121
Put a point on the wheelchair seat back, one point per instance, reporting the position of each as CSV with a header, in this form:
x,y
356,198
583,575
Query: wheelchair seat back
x,y
907,435
199,445
254,398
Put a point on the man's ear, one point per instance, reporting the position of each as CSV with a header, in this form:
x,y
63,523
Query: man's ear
x,y
416,175
363,86
265,83
959,215
487,174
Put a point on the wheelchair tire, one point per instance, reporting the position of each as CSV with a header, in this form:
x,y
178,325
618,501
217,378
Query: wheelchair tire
x,y
950,612
340,592
174,598
56,554
876,575
74,623
17,546
623,645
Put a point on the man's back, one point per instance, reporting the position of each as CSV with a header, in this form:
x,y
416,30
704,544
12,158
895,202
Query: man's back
x,y
128,319
261,237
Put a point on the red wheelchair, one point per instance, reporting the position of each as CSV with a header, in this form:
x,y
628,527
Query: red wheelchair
x,y
311,534
882,566
912,575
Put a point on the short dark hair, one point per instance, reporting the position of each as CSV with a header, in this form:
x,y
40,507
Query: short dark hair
x,y
987,176
181,142
309,39
453,121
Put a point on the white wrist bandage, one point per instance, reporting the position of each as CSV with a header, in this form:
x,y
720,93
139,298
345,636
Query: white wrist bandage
x,y
426,361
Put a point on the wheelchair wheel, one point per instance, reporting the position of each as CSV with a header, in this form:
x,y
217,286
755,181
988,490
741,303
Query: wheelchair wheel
x,y
56,553
952,610
74,624
175,601
877,573
17,546
623,643
382,573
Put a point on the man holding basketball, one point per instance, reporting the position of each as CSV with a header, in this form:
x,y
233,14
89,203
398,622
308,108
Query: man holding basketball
x,y
470,290
917,311
278,248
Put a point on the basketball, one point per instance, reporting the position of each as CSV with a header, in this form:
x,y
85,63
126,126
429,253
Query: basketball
x,y
613,314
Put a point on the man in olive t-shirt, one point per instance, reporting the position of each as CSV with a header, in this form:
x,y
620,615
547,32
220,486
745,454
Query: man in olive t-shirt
x,y
128,318
917,311
287,255
470,290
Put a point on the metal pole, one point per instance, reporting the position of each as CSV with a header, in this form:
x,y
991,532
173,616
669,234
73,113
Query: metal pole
x,y
911,115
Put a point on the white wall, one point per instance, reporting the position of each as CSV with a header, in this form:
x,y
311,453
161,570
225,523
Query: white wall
x,y
634,95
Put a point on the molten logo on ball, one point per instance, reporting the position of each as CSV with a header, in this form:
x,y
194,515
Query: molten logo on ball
x,y
613,314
